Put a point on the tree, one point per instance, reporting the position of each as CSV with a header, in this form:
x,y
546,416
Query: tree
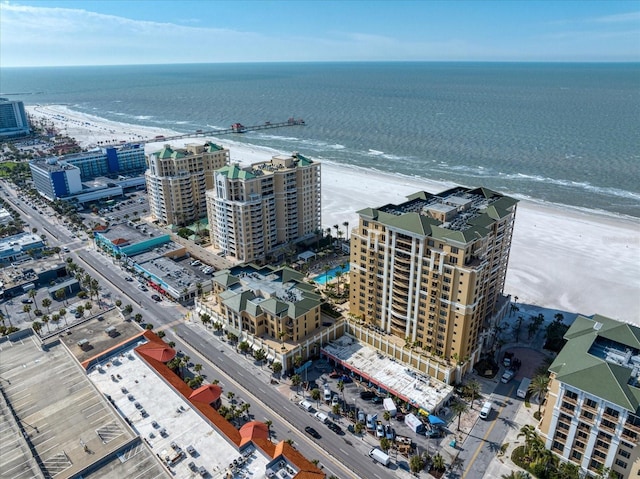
x,y
45,320
296,380
438,463
260,355
269,423
137,318
335,409
539,385
27,309
63,314
128,309
387,416
277,367
243,347
516,475
358,428
46,303
88,306
416,463
297,361
61,295
55,319
230,396
316,395
385,444
197,368
459,408
340,387
205,318
118,303
37,326
32,295
346,228
473,389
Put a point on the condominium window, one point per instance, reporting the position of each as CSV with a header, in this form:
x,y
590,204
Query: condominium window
x,y
611,412
621,464
571,395
591,403
623,453
576,455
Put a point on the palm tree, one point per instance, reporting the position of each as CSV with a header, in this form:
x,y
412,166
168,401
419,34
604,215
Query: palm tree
x,y
516,475
269,422
316,395
63,313
473,388
539,385
385,444
45,320
37,326
438,463
27,309
387,416
337,228
340,387
416,463
296,379
346,228
32,295
61,295
459,408
46,302
230,396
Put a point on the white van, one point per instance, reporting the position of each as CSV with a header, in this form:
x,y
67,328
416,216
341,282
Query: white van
x,y
485,412
322,417
327,393
306,405
379,456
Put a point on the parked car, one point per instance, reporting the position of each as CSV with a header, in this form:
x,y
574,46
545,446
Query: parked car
x,y
335,428
312,432
377,400
27,301
155,297
508,375
129,278
367,395
335,400
142,287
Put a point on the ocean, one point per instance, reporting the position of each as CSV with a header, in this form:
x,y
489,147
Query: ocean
x,y
559,133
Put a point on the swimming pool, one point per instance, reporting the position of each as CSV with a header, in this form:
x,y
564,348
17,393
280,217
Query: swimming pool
x,y
324,277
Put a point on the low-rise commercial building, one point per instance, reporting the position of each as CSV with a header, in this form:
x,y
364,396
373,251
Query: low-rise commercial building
x,y
17,248
592,412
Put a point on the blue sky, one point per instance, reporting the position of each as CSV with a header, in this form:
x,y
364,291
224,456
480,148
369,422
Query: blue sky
x,y
115,32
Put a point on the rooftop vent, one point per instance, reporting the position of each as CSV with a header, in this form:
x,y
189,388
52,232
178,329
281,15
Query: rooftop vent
x,y
597,326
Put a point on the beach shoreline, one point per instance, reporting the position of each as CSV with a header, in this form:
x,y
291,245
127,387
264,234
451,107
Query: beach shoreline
x,y
561,258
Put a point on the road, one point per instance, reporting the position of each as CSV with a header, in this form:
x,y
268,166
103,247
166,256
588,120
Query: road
x,y
486,437
339,455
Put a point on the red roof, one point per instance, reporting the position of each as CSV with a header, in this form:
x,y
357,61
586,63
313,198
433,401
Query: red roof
x,y
159,352
207,394
99,228
118,241
253,430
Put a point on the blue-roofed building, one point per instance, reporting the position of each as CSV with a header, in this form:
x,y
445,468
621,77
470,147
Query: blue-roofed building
x,y
13,119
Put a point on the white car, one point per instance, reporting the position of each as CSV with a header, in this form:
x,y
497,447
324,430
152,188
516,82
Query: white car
x,y
507,376
335,400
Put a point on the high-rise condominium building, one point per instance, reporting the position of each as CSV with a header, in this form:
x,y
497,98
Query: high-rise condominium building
x,y
592,412
13,119
432,269
178,178
256,212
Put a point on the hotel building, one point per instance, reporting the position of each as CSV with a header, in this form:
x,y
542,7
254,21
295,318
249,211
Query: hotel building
x,y
256,212
13,119
54,179
110,162
592,411
178,178
432,269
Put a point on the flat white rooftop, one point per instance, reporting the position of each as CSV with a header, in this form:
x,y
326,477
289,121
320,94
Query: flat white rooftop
x,y
408,384
176,422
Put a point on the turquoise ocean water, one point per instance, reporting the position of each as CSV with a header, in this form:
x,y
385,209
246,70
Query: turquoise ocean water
x,y
561,133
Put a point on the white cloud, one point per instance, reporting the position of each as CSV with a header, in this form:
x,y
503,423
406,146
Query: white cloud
x,y
619,18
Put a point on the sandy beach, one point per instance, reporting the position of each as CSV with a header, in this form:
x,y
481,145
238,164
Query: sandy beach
x,y
564,259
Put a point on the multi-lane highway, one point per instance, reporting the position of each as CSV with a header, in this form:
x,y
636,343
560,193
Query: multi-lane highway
x,y
342,456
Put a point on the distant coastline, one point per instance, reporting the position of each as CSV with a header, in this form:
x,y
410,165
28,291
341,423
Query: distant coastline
x,y
561,258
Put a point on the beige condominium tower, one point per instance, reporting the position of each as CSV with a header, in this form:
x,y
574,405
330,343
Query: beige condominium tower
x,y
257,212
177,180
432,269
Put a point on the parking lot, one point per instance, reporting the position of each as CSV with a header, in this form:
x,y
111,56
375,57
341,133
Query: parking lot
x,y
363,401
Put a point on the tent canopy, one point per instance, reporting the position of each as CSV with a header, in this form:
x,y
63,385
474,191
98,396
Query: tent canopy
x,y
306,256
435,420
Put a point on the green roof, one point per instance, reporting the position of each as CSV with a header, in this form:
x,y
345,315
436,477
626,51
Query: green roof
x,y
584,368
411,216
234,172
167,152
